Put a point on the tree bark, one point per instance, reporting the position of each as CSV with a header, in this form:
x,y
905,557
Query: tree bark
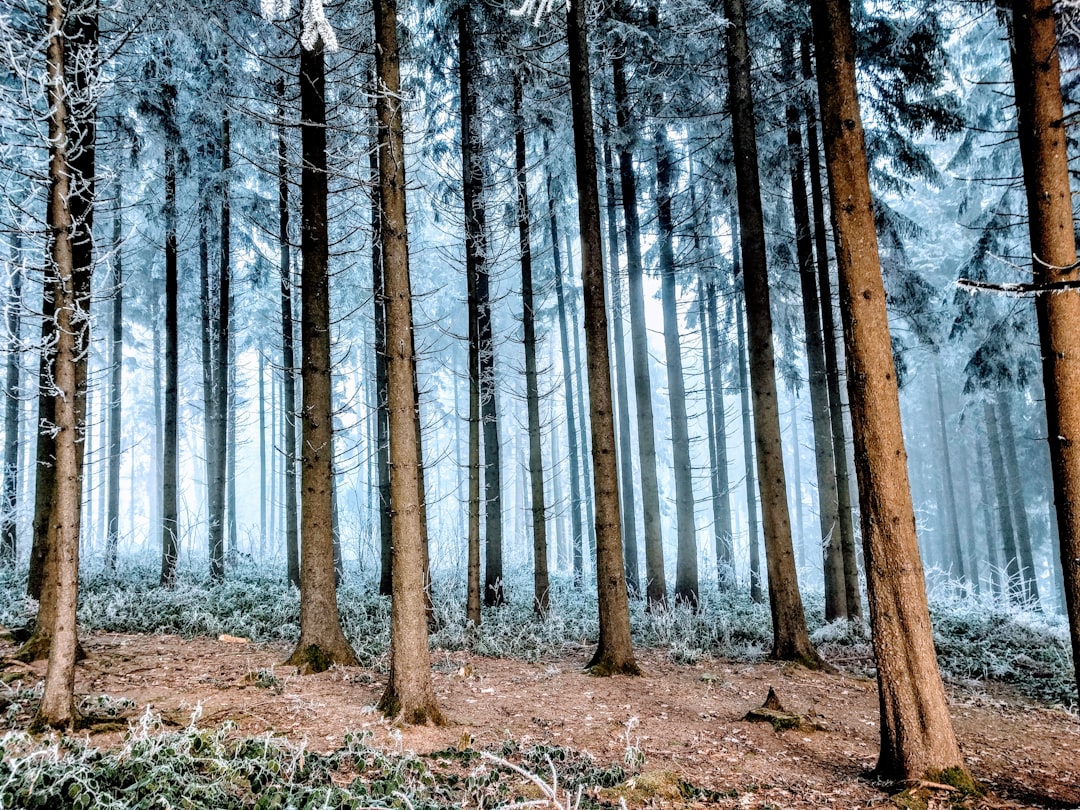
x,y
655,578
170,432
322,642
541,584
917,739
409,693
1043,152
71,197
614,653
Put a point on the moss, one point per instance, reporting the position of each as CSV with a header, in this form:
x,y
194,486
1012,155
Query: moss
x,y
605,667
311,659
780,720
958,778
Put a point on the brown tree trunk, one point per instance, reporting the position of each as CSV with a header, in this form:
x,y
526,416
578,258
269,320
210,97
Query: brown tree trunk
x,y
1041,127
71,199
322,642
622,399
655,578
832,361
791,639
614,653
541,585
917,739
824,460
409,693
288,356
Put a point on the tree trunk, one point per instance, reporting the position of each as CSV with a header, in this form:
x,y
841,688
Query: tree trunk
x,y
791,639
686,565
169,454
628,509
288,356
1041,128
655,579
322,642
541,585
832,361
576,529
917,739
753,538
71,199
1011,563
13,319
409,693
587,503
614,653
116,371
824,458
382,439
209,346
45,452
262,454
956,552
725,552
1027,569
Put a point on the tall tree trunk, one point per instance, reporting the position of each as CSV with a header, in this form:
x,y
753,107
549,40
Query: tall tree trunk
x,y
576,530
72,135
917,739
753,537
541,585
587,503
1041,129
219,420
626,461
725,551
382,438
170,433
1027,570
791,639
824,459
13,321
686,565
956,552
288,356
476,266
832,360
116,371
409,693
655,579
1011,564
262,454
799,538
614,653
322,642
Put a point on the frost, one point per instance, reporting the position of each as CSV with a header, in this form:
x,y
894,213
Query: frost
x,y
275,9
542,7
316,27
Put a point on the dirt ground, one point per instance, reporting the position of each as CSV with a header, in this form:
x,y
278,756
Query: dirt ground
x,y
684,719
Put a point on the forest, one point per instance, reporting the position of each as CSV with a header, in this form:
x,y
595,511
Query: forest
x,y
521,403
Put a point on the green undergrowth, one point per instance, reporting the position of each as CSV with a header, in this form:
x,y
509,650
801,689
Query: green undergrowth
x,y
218,768
976,640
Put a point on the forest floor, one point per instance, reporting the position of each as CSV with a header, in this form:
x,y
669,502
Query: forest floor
x,y
686,721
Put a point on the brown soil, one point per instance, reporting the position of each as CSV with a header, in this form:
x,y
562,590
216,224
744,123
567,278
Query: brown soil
x,y
686,720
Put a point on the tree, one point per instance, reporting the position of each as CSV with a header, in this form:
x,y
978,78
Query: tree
x,y
917,739
791,639
71,189
614,654
409,693
322,642
1044,155
9,497
116,371
541,584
